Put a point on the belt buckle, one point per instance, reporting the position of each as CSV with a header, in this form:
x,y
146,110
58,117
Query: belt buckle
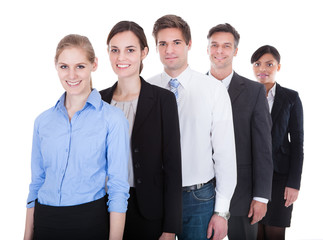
x,y
198,186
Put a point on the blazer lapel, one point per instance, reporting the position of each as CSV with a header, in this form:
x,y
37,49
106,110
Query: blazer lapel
x,y
236,87
278,102
144,106
109,95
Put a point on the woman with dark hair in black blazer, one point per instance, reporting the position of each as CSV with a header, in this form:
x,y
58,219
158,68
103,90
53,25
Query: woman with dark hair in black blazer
x,y
155,176
287,144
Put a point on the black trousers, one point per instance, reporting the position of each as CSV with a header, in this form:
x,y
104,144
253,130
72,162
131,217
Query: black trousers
x,y
82,222
239,228
137,226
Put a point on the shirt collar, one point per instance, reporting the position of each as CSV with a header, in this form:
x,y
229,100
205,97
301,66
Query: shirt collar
x,y
272,91
94,99
226,81
183,78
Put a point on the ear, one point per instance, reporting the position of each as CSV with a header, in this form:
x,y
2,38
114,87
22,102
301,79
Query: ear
x,y
235,52
144,53
189,45
278,67
95,64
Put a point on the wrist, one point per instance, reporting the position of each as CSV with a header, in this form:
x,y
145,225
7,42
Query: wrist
x,y
225,215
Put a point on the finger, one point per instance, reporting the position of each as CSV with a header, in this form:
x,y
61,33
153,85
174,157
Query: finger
x,y
209,231
250,213
285,193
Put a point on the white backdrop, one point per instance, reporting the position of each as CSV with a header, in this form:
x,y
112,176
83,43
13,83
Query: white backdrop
x,y
30,31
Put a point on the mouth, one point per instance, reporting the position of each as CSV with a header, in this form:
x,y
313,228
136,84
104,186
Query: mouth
x,y
123,65
219,58
262,75
73,84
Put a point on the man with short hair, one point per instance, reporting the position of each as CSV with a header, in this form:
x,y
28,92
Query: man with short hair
x,y
207,137
252,128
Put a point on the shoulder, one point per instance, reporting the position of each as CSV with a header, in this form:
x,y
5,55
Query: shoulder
x,y
155,80
291,94
248,82
46,115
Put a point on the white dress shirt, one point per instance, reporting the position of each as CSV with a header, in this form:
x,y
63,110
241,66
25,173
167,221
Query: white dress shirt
x,y
207,135
226,81
271,97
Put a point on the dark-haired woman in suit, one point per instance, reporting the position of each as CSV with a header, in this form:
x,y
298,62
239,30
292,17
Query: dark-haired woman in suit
x,y
154,207
287,144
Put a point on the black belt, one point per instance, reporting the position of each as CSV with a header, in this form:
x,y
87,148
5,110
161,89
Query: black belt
x,y
197,186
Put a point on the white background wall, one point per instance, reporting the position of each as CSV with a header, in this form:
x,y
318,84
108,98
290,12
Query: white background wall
x,y
30,31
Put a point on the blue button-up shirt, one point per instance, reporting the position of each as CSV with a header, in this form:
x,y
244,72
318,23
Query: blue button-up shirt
x,y
71,159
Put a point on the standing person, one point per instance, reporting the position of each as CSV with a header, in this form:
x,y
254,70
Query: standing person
x,y
287,141
76,144
207,138
155,176
252,126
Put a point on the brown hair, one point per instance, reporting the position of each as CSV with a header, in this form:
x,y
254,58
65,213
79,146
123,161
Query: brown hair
x,y
172,21
75,40
133,27
225,28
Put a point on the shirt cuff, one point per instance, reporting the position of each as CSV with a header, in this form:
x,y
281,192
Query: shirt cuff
x,y
31,204
260,199
221,204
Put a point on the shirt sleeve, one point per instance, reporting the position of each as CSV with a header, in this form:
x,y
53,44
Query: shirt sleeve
x,y
117,157
224,153
37,171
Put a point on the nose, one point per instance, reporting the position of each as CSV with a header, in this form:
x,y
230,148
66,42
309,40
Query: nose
x,y
169,48
219,49
121,56
72,74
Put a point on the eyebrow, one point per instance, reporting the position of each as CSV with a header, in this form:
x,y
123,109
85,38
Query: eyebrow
x,y
175,40
223,43
131,46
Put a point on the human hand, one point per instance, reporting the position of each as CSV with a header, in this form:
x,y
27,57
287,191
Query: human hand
x,y
219,226
257,211
167,236
290,195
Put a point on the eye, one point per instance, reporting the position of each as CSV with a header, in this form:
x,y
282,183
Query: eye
x,y
256,64
63,67
130,50
177,42
80,66
162,44
270,64
114,50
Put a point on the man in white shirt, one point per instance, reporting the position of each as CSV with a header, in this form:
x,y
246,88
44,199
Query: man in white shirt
x,y
252,128
207,137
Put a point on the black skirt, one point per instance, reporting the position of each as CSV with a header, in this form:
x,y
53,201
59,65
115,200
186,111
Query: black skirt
x,y
83,222
277,214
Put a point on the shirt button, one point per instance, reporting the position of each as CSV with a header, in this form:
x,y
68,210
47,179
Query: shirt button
x,y
138,180
137,165
136,150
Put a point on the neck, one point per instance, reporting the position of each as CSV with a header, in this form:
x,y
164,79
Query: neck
x,y
269,86
174,73
127,89
220,73
74,103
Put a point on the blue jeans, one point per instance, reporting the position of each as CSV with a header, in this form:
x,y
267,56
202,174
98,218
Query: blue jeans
x,y
198,207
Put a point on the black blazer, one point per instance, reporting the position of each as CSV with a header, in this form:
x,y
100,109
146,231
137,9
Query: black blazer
x,y
156,154
288,135
252,129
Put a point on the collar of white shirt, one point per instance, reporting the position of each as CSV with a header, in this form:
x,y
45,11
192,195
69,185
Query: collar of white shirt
x,y
226,81
183,78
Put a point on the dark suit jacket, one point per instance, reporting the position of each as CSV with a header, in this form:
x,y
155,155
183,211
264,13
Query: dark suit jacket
x,y
156,154
288,135
252,129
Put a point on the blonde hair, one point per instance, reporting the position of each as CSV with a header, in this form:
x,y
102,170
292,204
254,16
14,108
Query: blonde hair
x,y
78,41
